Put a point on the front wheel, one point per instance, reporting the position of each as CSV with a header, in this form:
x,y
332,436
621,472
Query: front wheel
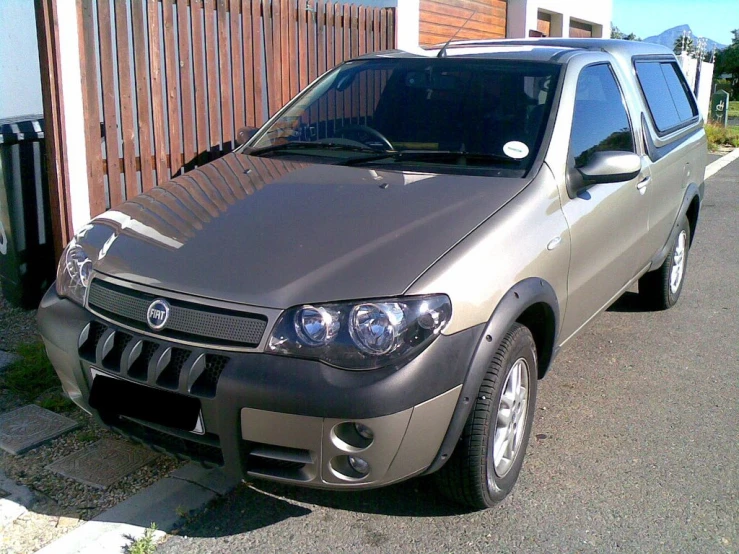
x,y
485,464
660,289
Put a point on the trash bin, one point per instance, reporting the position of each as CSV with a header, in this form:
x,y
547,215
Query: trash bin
x,y
27,263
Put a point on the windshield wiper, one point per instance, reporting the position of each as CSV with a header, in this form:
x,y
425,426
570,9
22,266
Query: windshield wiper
x,y
306,145
432,155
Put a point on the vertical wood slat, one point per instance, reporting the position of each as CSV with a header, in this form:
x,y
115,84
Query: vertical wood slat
x,y
142,94
312,54
276,18
125,93
200,80
390,31
186,86
47,32
321,62
303,45
225,78
211,49
383,30
107,86
249,81
330,56
172,88
88,76
258,42
338,57
285,49
268,21
354,34
347,94
237,64
294,76
155,69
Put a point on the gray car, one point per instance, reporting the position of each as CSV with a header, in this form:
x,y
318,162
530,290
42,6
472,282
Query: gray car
x,y
371,288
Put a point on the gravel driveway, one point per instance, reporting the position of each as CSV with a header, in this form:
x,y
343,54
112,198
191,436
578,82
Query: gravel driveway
x,y
16,326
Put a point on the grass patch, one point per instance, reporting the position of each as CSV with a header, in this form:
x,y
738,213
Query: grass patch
x,y
33,378
734,108
87,436
722,136
145,544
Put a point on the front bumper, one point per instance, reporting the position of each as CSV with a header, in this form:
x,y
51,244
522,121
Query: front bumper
x,y
268,416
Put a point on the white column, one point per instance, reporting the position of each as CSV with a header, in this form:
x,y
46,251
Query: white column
x,y
407,24
73,133
704,89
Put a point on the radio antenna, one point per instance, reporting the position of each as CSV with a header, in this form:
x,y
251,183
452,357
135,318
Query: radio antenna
x,y
442,52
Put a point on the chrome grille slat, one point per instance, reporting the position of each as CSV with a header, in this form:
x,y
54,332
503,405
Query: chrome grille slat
x,y
199,324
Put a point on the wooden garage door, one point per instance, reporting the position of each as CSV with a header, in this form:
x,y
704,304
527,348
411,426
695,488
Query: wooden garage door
x,y
470,19
580,30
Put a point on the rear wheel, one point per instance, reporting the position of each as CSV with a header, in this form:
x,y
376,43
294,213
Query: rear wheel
x,y
660,289
488,458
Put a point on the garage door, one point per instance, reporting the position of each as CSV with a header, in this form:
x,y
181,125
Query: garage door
x,y
470,19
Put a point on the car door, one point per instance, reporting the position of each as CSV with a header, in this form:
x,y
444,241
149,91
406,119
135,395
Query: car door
x,y
608,221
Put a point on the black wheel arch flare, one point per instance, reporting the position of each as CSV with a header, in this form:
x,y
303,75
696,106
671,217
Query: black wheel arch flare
x,y
531,302
690,208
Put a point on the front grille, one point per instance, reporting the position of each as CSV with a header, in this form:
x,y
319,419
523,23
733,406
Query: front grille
x,y
174,368
187,321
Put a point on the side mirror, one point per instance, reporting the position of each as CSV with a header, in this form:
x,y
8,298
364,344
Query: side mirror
x,y
604,167
244,134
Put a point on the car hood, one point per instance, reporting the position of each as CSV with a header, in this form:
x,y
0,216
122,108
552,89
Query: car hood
x,y
275,233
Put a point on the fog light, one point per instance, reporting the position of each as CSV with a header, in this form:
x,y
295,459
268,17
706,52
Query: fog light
x,y
364,431
359,465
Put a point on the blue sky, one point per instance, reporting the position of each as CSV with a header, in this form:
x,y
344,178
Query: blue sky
x,y
713,19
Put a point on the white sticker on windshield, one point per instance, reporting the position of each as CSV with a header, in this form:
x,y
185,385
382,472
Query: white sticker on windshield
x,y
516,150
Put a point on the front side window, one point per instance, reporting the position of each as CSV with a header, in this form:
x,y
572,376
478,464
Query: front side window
x,y
668,97
600,122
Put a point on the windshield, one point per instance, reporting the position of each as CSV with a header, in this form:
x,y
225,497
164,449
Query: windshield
x,y
438,111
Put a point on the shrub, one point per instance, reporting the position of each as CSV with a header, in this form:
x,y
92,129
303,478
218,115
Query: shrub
x,y
722,136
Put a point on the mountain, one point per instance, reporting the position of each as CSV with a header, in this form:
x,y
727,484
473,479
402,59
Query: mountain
x,y
667,38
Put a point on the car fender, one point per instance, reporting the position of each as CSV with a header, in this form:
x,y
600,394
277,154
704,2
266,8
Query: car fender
x,y
692,192
514,303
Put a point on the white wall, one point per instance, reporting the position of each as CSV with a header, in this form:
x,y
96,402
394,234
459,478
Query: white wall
x,y
522,16
20,79
690,69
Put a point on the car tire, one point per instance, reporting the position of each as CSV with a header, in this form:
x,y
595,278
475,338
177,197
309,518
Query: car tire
x,y
484,467
660,289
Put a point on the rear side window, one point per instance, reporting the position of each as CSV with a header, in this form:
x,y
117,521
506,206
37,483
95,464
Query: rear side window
x,y
667,94
600,122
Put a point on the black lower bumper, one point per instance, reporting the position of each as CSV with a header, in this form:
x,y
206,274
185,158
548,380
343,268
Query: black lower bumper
x,y
235,389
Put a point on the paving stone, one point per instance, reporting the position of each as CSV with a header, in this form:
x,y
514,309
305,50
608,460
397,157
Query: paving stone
x,y
15,500
6,358
103,463
31,426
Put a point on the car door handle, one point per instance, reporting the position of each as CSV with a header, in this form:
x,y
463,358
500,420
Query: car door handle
x,y
643,184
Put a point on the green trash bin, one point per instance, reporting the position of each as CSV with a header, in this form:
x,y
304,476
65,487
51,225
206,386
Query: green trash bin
x,y
27,264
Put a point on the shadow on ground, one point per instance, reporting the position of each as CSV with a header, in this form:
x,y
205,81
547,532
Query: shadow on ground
x,y
628,303
253,506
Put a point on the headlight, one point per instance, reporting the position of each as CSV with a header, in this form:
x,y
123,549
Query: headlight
x,y
73,273
361,335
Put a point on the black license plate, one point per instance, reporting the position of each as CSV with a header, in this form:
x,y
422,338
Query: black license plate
x,y
117,397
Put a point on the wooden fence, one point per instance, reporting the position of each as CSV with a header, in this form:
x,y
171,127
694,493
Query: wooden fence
x,y
168,83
